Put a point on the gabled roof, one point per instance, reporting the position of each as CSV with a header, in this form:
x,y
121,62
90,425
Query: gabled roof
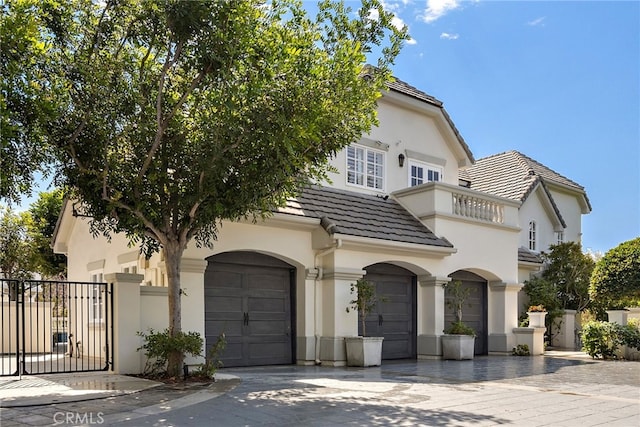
x,y
355,214
513,175
405,88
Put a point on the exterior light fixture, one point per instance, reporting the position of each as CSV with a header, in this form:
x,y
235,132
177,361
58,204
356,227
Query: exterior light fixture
x,y
401,160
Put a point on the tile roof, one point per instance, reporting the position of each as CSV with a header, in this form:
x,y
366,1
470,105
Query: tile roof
x,y
355,214
405,88
513,175
525,255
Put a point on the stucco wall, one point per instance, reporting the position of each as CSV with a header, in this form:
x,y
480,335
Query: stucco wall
x,y
401,129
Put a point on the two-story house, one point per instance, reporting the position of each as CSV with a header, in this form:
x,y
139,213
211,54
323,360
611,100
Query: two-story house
x,y
395,212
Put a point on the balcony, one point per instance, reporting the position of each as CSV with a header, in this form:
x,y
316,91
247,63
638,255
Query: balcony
x,y
435,202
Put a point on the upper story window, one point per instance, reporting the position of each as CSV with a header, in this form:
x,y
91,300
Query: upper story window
x,y
559,237
419,173
365,167
532,236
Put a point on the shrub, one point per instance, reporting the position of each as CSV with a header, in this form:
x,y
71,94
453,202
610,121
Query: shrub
x,y
602,339
459,328
159,345
630,334
521,350
615,281
212,361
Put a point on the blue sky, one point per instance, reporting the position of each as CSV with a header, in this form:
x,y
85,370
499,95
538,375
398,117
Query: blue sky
x,y
557,81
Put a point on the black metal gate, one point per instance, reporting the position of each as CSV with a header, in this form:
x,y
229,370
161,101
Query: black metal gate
x,y
54,326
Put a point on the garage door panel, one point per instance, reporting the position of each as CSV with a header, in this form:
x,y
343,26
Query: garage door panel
x,y
390,308
225,279
474,312
395,327
395,288
265,328
230,328
253,303
276,305
223,303
266,282
394,319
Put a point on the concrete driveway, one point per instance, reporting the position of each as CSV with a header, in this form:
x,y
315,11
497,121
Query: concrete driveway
x,y
551,390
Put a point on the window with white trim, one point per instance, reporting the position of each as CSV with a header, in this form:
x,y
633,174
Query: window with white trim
x,y
419,173
96,301
532,235
559,237
365,167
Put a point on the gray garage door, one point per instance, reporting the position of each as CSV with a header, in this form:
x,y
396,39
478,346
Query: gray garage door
x,y
474,313
248,296
394,319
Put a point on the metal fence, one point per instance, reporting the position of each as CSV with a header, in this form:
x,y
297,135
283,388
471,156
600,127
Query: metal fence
x,y
54,326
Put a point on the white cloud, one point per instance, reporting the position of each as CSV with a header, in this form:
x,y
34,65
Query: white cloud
x,y
537,22
397,22
438,8
411,41
448,36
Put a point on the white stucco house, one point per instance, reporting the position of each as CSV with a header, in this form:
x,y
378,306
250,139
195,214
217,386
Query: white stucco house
x,y
409,208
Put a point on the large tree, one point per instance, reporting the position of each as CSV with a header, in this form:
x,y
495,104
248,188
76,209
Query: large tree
x,y
175,115
15,249
24,106
44,214
615,282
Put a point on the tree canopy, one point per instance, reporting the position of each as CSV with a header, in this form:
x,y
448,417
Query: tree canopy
x,y
615,282
564,282
24,105
171,116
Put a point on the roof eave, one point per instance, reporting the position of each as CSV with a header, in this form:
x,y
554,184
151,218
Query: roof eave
x,y
369,244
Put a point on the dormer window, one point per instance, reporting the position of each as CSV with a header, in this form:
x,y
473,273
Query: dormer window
x,y
420,172
365,167
532,236
559,237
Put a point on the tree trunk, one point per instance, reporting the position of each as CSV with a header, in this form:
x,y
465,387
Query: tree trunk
x,y
173,258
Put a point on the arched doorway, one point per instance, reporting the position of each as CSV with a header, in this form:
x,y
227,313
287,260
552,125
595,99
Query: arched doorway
x,y
474,313
395,317
248,297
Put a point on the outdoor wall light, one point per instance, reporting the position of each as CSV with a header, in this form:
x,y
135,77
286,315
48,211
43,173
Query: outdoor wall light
x,y
401,160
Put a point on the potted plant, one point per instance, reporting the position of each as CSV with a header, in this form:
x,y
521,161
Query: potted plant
x,y
536,315
363,350
458,341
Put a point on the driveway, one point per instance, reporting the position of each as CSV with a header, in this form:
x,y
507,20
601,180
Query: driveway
x,y
551,390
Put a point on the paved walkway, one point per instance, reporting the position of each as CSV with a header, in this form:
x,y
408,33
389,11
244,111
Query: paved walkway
x,y
559,389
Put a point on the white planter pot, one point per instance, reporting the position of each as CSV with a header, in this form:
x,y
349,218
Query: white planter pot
x,y
536,318
364,351
458,347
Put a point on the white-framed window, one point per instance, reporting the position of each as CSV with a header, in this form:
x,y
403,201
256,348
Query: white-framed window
x,y
131,269
365,167
559,237
97,298
420,172
532,236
